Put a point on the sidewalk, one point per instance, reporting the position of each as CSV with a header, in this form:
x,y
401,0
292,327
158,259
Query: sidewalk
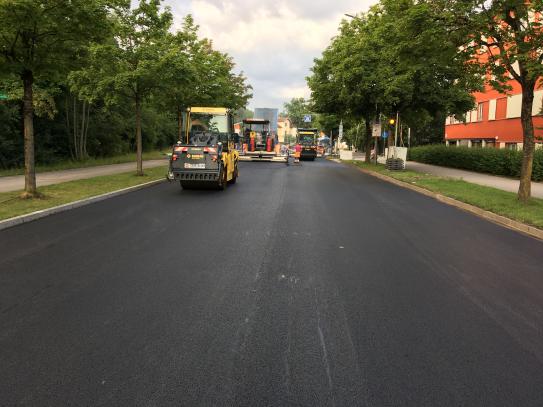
x,y
17,182
503,183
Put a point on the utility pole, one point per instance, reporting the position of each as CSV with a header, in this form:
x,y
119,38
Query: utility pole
x,y
396,129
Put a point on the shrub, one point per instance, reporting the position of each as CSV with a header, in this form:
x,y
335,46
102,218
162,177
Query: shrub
x,y
488,160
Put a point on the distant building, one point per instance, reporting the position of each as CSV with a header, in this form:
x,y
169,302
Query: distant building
x,y
285,131
268,114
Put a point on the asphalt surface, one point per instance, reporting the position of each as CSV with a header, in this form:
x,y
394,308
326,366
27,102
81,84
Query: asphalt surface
x,y
17,182
312,285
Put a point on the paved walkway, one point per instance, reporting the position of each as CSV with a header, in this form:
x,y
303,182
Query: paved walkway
x,y
17,182
503,183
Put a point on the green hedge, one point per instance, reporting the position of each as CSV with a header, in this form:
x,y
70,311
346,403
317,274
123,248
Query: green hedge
x,y
489,160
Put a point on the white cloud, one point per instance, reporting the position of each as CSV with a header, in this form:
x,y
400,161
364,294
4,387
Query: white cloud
x,y
273,42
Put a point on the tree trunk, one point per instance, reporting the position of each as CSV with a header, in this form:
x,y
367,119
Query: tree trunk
x,y
525,187
369,135
139,146
28,119
69,128
86,132
82,131
76,138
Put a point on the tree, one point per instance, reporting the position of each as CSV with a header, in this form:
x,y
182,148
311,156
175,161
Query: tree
x,y
197,75
397,58
132,64
345,80
242,114
44,38
505,38
295,111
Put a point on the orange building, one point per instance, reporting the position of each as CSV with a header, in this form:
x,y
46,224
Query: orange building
x,y
495,122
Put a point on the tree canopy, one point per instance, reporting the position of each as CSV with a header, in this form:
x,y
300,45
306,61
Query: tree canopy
x,y
504,38
43,40
104,77
396,58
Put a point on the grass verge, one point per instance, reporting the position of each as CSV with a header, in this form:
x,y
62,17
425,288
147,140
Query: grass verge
x,y
491,199
90,162
12,205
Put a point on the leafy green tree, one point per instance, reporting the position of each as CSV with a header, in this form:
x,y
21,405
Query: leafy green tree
x,y
326,122
429,79
397,58
131,66
346,79
242,114
505,38
295,110
43,39
198,75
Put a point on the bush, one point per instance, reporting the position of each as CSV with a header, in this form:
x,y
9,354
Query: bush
x,y
489,160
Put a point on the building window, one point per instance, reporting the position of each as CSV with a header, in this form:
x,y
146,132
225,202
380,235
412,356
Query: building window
x,y
511,146
480,108
501,108
476,144
490,144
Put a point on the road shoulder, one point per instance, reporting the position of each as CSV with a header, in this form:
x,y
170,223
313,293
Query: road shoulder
x,y
488,215
74,194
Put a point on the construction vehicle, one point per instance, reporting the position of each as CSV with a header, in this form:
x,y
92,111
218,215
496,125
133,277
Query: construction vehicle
x,y
258,142
307,138
206,156
323,145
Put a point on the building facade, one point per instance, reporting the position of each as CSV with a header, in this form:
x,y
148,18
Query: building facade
x,y
495,122
286,133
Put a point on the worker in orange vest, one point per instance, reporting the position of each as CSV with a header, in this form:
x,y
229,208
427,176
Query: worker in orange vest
x,y
297,153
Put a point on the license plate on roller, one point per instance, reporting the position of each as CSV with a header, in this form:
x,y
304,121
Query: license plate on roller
x,y
195,166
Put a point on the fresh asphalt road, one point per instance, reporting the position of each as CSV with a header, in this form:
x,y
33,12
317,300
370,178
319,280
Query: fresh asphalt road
x,y
312,285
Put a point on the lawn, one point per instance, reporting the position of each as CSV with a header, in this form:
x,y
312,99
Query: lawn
x,y
90,162
491,199
11,205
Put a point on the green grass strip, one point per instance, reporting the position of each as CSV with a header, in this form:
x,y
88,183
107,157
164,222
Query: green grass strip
x,y
12,205
90,162
491,199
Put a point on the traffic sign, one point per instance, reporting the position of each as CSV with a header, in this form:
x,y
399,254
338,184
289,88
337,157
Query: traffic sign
x,y
376,131
3,96
307,118
385,135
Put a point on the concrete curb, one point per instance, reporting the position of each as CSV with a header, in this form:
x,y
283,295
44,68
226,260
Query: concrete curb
x,y
498,219
19,220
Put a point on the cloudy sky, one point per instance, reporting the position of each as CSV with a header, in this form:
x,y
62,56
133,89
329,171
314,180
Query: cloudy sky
x,y
272,41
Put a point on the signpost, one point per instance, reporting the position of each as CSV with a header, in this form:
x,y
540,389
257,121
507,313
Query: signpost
x,y
340,137
376,131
